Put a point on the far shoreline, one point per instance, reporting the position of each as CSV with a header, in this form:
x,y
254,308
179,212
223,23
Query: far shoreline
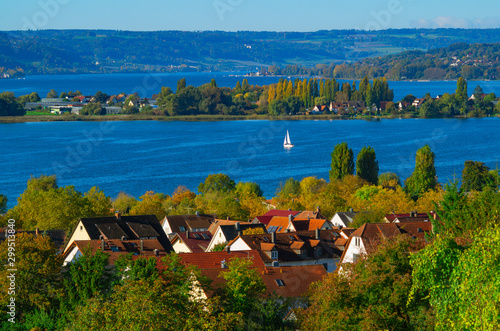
x,y
199,118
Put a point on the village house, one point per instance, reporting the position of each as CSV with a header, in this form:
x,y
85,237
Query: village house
x,y
118,227
304,248
288,224
343,219
411,217
225,233
366,238
191,242
114,248
288,282
173,224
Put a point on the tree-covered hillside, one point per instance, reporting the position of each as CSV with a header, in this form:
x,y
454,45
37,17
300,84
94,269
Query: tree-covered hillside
x,y
82,51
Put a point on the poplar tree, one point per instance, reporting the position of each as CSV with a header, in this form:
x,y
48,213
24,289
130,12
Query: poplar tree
x,y
367,165
342,162
423,178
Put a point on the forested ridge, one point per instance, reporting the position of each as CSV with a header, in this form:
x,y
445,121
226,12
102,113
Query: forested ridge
x,y
107,51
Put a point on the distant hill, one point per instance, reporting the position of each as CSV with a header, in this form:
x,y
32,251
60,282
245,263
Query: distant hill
x,y
101,51
470,61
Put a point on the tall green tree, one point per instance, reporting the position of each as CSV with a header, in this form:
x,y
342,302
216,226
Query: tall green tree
x,y
87,277
181,83
475,176
342,162
219,183
367,165
423,177
9,106
461,91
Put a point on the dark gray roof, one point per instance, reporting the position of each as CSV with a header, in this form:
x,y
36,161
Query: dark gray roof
x,y
130,227
347,217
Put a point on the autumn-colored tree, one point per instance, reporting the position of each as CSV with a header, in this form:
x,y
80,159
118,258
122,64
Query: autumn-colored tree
x,y
181,193
371,294
124,203
151,204
36,269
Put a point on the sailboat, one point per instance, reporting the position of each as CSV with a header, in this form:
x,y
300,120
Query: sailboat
x,y
287,143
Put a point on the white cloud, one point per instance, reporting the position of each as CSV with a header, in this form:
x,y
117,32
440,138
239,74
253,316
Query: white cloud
x,y
457,22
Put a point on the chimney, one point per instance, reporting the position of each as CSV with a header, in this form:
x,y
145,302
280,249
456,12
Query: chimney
x,y
118,215
187,234
227,218
308,217
289,218
273,237
318,210
102,244
37,231
122,238
228,249
156,252
351,210
223,264
142,245
197,213
317,233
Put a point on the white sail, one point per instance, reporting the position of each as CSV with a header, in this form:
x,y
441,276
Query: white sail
x,y
287,142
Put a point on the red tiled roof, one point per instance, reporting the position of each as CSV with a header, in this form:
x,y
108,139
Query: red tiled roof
x,y
295,281
278,212
264,219
405,218
209,260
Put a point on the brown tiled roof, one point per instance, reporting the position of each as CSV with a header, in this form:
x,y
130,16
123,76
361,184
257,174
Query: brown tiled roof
x,y
267,247
116,248
291,282
211,260
285,240
215,225
303,215
415,229
408,218
281,222
188,222
197,242
231,232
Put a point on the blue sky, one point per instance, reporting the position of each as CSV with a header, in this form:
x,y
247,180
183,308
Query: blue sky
x,y
255,15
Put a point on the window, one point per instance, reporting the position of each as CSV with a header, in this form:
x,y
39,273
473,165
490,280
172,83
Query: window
x,y
357,241
355,257
279,282
274,255
182,229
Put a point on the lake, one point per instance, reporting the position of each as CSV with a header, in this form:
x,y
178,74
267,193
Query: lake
x,y
147,84
140,156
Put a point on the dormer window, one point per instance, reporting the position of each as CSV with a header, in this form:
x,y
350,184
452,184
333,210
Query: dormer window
x,y
274,255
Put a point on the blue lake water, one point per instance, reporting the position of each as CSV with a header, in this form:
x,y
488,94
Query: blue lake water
x,y
148,84
139,156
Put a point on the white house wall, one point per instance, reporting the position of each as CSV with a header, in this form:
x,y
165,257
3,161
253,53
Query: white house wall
x,y
218,238
74,255
352,250
180,247
239,245
79,234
